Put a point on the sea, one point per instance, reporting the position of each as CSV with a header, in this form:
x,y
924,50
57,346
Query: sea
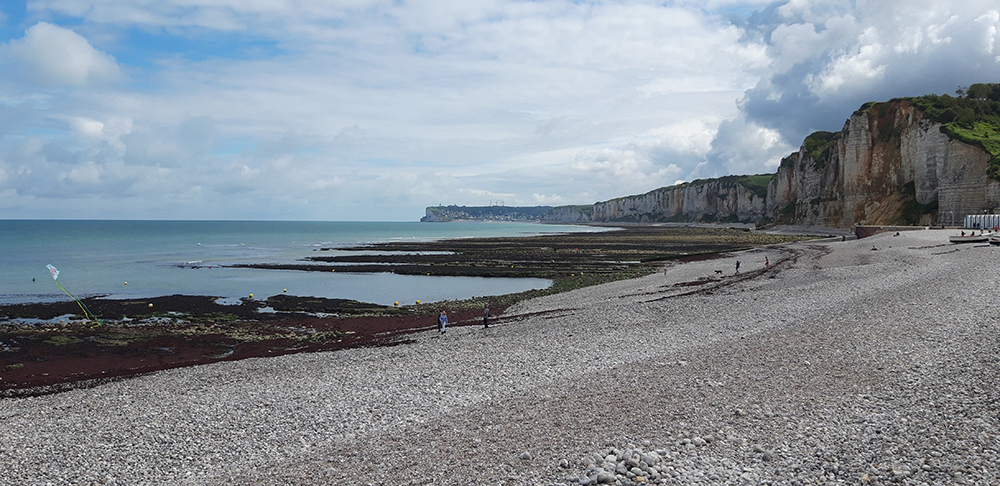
x,y
119,259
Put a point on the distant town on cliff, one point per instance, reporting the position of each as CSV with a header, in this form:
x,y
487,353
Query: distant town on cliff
x,y
439,214
908,161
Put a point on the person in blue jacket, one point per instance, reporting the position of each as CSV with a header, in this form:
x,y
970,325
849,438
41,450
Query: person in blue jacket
x,y
442,321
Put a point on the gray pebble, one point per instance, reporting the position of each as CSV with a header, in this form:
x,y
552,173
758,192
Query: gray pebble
x,y
900,388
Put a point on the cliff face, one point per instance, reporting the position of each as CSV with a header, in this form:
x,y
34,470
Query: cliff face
x,y
806,189
888,165
728,199
566,214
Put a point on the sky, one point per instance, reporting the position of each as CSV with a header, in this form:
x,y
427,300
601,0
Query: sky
x,y
372,110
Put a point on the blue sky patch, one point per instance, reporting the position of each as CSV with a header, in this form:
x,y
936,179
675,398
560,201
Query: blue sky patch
x,y
139,47
11,21
236,146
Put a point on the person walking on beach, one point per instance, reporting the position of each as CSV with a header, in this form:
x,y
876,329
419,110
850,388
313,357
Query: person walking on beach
x,y
442,321
737,266
767,263
486,318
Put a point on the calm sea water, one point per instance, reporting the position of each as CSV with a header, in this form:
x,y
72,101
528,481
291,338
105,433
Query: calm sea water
x,y
135,259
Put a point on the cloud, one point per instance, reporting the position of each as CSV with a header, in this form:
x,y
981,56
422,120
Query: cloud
x,y
419,101
863,65
54,56
743,147
829,57
109,132
623,168
373,109
549,200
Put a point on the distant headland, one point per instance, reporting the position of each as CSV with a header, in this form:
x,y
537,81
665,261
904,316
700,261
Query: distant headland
x,y
441,214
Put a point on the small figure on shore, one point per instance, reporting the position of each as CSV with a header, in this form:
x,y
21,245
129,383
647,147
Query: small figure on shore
x,y
737,266
767,263
486,318
442,321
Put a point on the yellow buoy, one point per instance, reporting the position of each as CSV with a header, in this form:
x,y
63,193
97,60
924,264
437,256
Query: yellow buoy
x,y
151,304
126,283
418,301
396,303
285,290
251,296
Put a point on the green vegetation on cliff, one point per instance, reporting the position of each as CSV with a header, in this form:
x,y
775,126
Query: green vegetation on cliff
x,y
756,183
972,117
818,145
985,134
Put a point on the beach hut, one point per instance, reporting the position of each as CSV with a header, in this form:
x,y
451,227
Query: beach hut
x,y
982,221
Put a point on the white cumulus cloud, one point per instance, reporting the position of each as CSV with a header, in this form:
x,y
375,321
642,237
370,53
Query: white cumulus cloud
x,y
109,132
55,56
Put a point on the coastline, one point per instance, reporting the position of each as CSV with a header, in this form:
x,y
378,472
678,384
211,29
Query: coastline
x,y
835,363
55,352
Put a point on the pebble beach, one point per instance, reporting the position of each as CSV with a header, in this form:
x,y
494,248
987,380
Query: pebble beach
x,y
870,361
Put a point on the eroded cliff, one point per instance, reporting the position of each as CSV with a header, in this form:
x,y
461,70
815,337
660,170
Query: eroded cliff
x,y
889,165
727,199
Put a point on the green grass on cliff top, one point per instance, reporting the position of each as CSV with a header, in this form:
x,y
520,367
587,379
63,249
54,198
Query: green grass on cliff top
x,y
819,144
985,134
975,121
756,183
